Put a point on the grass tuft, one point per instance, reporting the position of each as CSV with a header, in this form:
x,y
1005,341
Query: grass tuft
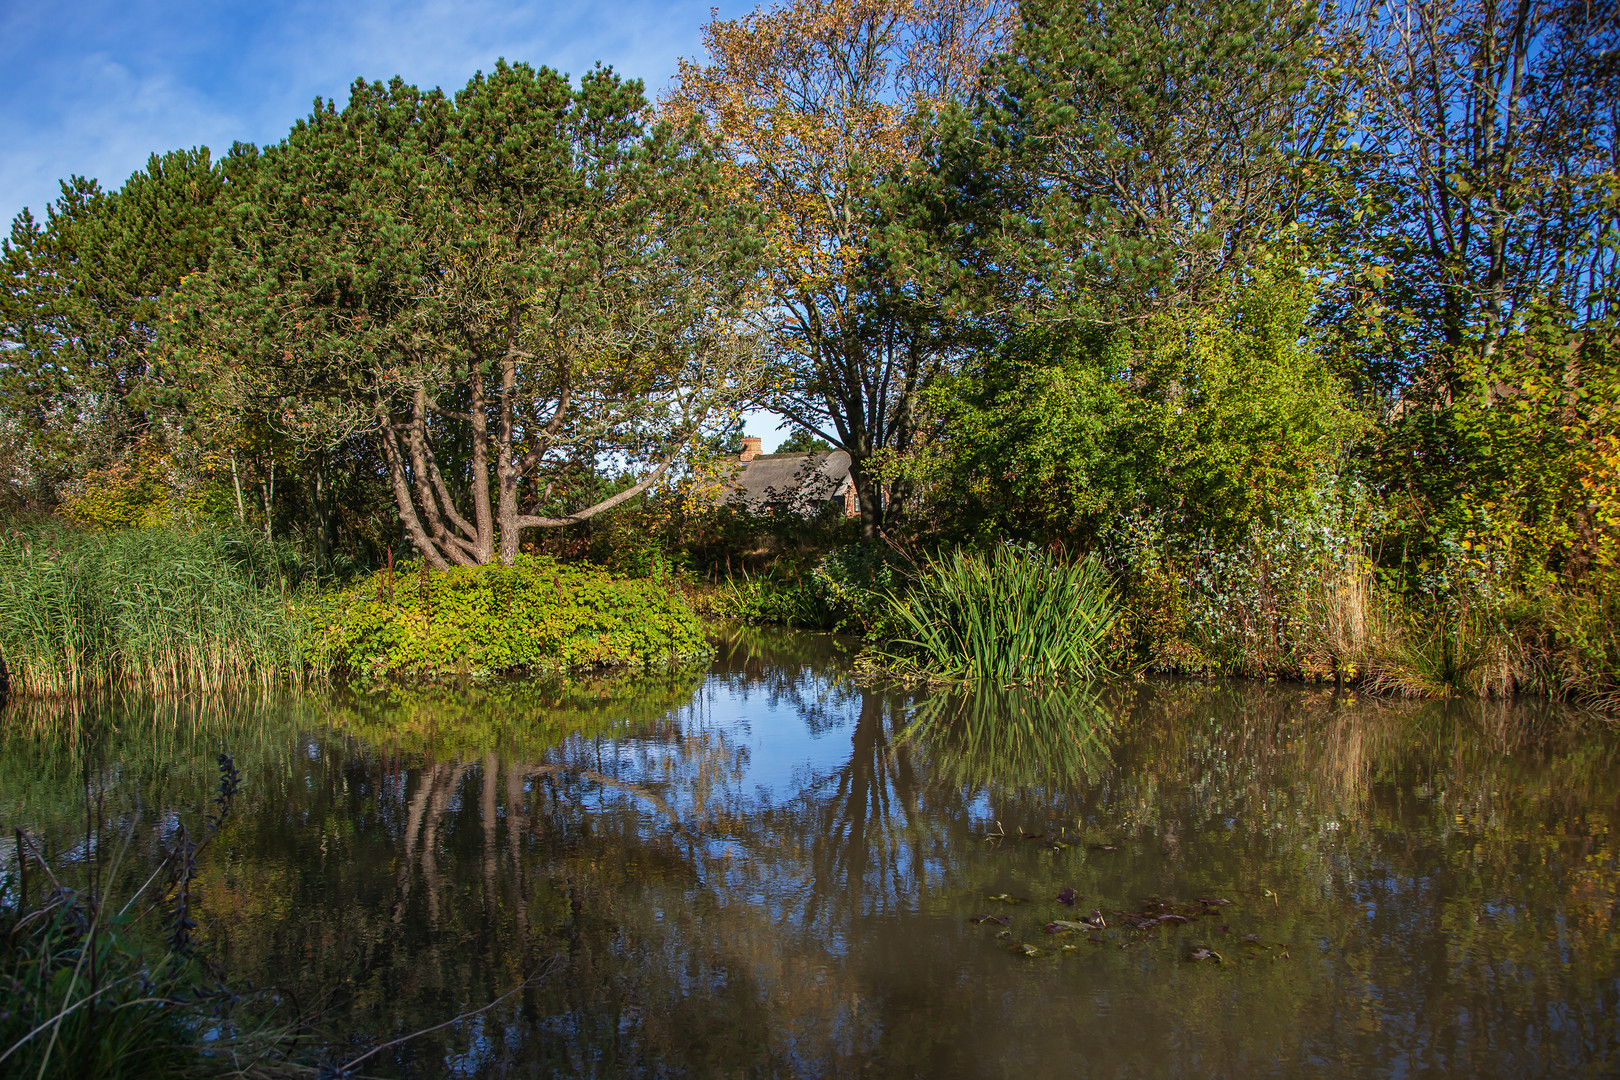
x,y
1012,616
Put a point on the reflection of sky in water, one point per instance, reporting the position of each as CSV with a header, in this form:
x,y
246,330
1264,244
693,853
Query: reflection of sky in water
x,y
785,750
762,880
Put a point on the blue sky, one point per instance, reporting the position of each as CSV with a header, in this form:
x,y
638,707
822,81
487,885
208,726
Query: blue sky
x,y
94,87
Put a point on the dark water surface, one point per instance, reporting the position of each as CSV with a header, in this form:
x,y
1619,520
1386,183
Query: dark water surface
x,y
760,871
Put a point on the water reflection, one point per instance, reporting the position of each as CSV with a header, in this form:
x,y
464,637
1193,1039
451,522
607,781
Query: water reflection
x,y
769,870
1047,740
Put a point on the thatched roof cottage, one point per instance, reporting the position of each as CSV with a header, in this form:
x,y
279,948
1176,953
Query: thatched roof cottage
x,y
789,483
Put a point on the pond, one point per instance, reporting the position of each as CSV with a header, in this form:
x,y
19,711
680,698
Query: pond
x,y
769,870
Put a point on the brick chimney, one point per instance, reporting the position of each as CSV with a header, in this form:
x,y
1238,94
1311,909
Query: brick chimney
x,y
751,446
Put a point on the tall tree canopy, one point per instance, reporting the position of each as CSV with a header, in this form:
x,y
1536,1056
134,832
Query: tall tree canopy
x,y
81,301
816,104
1476,183
1127,155
492,287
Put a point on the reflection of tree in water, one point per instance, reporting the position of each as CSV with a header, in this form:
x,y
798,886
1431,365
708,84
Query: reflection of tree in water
x,y
423,856
868,842
921,766
786,668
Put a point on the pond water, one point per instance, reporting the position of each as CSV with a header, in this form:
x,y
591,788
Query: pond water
x,y
767,870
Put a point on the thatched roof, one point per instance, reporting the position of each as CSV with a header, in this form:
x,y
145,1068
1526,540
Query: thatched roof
x,y
799,482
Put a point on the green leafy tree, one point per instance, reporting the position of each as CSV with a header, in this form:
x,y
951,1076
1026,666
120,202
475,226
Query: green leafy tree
x,y
1106,230
1129,156
82,304
1475,186
492,288
803,442
816,104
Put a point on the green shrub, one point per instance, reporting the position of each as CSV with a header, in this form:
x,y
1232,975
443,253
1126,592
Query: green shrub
x,y
536,615
846,592
855,582
1291,596
791,602
1013,616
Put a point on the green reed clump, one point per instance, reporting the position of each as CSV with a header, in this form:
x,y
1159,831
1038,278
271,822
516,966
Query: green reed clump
x,y
1011,616
156,609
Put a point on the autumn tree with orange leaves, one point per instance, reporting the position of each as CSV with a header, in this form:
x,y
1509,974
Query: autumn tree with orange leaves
x,y
815,104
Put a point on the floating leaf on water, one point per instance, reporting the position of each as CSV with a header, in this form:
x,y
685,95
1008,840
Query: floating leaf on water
x,y
1004,934
1202,953
1209,902
1176,919
1006,898
1095,920
1058,845
1002,919
1253,939
1028,950
1064,926
1067,897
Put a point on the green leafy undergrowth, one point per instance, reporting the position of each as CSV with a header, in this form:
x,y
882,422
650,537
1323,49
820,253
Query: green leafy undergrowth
x,y
536,615
845,592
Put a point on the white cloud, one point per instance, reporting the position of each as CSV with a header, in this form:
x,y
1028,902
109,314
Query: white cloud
x,y
102,121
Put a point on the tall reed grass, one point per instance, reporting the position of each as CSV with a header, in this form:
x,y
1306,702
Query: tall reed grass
x,y
1012,616
155,609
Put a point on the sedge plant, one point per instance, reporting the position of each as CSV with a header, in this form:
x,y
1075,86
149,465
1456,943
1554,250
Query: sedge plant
x,y
1011,616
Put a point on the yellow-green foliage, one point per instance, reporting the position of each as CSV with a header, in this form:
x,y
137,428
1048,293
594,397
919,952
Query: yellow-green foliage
x,y
537,615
